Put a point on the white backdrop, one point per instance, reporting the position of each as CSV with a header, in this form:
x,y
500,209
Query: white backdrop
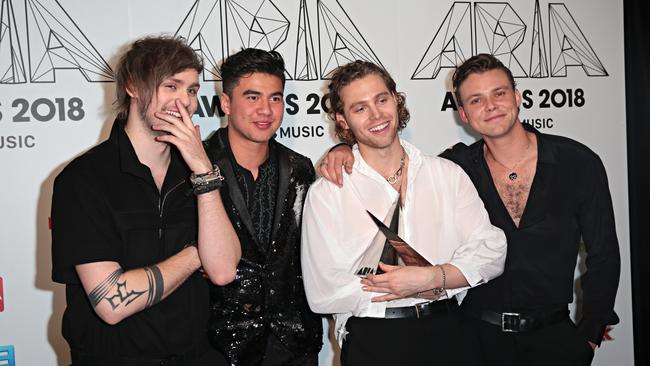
x,y
56,69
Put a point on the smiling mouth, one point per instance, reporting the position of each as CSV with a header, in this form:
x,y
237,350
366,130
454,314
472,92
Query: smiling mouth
x,y
379,128
172,113
498,116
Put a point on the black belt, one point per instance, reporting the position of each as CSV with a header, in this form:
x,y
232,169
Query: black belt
x,y
423,309
523,321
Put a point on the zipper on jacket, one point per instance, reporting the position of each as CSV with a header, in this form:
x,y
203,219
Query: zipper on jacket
x,y
161,205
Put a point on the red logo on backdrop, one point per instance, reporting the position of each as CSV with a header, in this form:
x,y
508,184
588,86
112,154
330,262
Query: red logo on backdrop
x,y
2,297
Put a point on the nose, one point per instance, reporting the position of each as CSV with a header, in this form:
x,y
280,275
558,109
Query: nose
x,y
265,108
185,98
375,113
489,104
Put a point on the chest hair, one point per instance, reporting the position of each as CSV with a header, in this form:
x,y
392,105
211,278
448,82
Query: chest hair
x,y
514,193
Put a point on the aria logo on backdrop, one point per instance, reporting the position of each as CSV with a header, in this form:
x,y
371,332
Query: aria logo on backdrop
x,y
313,49
215,27
496,28
54,42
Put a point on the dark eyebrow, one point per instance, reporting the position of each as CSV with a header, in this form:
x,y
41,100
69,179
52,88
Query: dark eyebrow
x,y
255,92
179,81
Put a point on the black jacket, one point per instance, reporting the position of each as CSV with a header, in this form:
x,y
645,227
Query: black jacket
x,y
267,295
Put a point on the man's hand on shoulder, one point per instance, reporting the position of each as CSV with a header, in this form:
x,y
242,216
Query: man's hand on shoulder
x,y
331,166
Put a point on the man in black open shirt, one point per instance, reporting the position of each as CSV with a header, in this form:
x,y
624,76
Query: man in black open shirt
x,y
546,193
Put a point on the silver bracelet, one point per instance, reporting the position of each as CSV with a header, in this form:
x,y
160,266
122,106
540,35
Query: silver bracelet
x,y
441,289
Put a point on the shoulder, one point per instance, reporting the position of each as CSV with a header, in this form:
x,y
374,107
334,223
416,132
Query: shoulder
x,y
324,190
294,157
214,143
461,152
300,164
90,165
568,149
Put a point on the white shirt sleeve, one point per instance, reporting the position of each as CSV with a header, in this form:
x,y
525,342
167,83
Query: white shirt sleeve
x,y
327,262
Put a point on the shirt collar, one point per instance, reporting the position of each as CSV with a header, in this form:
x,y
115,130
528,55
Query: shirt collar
x,y
545,153
130,163
414,163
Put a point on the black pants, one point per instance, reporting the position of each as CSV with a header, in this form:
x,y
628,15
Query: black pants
x,y
277,354
430,340
209,357
557,344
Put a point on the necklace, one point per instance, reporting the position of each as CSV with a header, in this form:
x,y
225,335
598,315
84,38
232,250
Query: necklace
x,y
393,178
513,174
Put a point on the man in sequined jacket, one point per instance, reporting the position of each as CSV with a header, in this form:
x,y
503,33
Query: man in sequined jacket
x,y
262,317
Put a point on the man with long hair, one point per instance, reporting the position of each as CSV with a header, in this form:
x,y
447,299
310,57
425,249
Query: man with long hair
x,y
124,221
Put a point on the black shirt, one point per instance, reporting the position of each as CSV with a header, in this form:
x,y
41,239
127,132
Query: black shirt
x,y
569,199
260,194
106,207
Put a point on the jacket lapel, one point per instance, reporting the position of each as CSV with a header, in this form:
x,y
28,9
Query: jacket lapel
x,y
284,174
228,172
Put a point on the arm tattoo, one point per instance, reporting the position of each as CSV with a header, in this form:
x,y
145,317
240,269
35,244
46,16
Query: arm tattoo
x,y
156,285
100,292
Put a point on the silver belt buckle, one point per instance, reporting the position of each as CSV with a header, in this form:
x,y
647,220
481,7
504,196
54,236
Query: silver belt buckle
x,y
507,320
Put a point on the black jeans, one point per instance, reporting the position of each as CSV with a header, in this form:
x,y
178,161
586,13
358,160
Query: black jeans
x,y
557,344
431,340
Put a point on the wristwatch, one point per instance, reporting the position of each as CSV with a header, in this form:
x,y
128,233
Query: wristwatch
x,y
207,182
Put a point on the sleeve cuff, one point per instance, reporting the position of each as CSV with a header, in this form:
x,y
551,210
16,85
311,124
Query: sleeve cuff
x,y
592,330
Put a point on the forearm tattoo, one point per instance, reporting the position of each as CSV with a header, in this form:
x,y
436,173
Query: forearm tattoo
x,y
122,295
101,291
156,285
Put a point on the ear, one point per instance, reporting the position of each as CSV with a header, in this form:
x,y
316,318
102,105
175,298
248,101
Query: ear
x,y
462,114
225,103
518,97
131,91
340,119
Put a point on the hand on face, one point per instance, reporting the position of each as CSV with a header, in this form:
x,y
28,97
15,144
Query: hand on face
x,y
182,133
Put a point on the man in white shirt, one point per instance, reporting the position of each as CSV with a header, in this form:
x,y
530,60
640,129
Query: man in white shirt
x,y
387,318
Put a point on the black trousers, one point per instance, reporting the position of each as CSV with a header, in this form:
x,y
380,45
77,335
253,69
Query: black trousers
x,y
431,340
557,344
277,354
209,357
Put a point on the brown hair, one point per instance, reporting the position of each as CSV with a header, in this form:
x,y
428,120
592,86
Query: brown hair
x,y
147,63
343,76
478,64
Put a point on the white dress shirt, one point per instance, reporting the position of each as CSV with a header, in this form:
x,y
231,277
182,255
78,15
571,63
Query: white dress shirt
x,y
442,218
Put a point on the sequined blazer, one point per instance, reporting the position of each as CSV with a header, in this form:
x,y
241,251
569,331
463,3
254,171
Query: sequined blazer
x,y
267,295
